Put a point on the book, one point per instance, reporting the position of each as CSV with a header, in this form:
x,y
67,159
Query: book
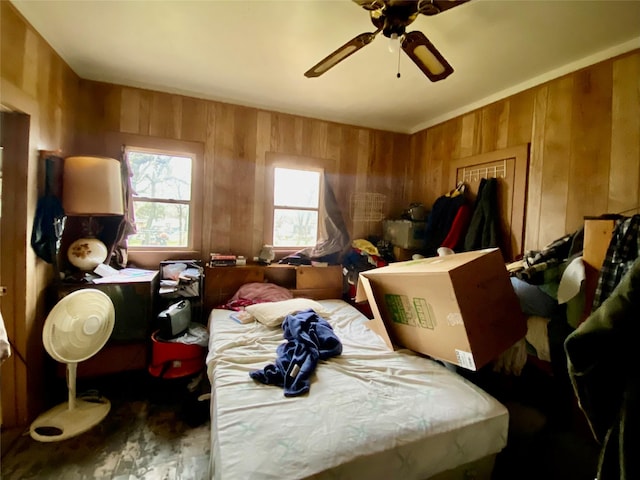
x,y
222,263
241,317
220,256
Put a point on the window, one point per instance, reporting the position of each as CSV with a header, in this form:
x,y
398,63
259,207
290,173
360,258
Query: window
x,y
162,198
296,205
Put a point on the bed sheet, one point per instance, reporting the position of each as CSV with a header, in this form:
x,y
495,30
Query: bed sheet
x,y
371,412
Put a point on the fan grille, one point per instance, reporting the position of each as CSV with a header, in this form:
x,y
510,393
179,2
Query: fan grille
x,y
79,325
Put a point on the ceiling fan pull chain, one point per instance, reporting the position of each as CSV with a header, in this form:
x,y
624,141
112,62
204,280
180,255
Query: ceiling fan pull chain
x,y
398,74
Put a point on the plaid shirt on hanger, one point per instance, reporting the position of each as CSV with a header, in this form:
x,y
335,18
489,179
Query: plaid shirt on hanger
x,y
623,249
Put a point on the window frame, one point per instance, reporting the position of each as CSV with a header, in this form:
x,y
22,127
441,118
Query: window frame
x,y
294,163
150,256
155,151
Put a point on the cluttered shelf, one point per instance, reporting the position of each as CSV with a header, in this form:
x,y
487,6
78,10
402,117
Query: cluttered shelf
x,y
182,280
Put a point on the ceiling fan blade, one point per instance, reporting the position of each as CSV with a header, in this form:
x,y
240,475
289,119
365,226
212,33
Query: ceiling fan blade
x,y
426,56
433,7
341,53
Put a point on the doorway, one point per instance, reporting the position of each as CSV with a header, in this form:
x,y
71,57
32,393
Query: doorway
x,y
14,140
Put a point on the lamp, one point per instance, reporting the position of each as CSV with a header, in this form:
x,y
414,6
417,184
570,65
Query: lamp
x,y
92,186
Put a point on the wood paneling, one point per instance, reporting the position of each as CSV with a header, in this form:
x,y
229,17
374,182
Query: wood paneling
x,y
624,172
236,140
536,157
588,179
555,161
584,131
520,118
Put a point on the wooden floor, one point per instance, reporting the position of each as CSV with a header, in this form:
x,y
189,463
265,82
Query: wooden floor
x,y
154,431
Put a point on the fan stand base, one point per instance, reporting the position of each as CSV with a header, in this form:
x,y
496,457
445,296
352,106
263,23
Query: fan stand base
x,y
61,423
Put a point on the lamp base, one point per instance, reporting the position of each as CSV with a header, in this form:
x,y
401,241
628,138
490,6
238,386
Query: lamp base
x,y
87,253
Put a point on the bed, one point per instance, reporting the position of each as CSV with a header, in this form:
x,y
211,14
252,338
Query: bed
x,y
371,413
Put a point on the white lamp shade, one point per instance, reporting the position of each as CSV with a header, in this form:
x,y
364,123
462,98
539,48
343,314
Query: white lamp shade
x,y
92,186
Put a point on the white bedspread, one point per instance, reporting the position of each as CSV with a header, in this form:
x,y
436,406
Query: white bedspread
x,y
371,413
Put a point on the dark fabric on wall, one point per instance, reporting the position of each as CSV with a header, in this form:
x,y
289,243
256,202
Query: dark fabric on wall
x,y
440,220
484,227
119,254
49,220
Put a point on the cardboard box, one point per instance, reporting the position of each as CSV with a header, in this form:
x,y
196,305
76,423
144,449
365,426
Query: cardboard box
x,y
459,308
405,233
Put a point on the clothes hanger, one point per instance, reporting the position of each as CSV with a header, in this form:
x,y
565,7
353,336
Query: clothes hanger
x,y
459,190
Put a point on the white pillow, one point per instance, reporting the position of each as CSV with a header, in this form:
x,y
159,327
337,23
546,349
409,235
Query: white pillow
x,y
273,314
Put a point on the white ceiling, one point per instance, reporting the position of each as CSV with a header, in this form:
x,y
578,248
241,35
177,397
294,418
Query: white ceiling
x,y
255,53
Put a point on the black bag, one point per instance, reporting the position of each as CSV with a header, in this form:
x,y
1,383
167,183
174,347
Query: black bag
x,y
48,223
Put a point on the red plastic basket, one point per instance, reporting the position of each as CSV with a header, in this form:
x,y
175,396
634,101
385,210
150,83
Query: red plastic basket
x,y
175,359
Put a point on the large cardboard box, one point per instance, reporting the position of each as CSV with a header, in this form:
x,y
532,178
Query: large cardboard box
x,y
459,308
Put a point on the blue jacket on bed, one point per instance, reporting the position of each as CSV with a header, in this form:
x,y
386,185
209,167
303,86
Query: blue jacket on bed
x,y
309,338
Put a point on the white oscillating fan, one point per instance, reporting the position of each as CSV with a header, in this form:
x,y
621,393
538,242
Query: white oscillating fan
x,y
76,329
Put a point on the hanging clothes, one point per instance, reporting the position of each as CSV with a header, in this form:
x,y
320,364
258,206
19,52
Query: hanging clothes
x,y
441,218
119,254
455,237
49,220
484,227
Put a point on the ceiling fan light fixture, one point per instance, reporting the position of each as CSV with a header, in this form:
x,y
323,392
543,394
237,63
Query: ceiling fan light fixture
x,y
426,56
394,43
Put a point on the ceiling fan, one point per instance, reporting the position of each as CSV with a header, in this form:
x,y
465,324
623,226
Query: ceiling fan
x,y
391,17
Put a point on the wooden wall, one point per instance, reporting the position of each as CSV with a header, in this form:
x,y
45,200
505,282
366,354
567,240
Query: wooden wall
x,y
584,131
40,86
236,140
